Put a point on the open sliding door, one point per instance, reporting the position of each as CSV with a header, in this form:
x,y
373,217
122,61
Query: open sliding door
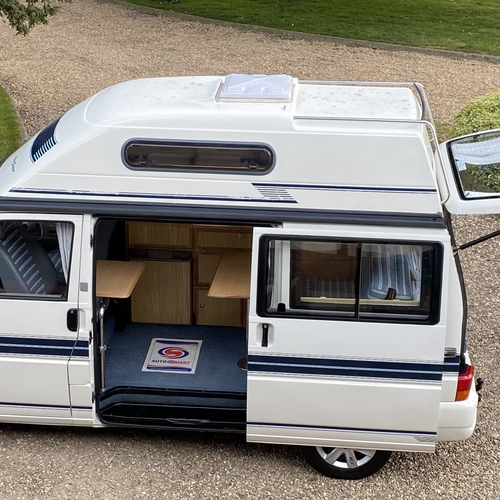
x,y
346,338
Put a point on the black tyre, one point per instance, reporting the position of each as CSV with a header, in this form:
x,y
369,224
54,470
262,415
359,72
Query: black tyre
x,y
345,463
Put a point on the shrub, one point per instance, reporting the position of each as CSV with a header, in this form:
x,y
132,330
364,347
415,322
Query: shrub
x,y
482,113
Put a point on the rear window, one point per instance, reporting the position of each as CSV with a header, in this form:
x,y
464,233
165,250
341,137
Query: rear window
x,y
213,157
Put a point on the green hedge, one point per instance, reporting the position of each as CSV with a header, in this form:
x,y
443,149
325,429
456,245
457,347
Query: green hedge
x,y
482,113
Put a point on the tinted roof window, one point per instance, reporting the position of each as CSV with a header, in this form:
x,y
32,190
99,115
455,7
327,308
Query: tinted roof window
x,y
245,158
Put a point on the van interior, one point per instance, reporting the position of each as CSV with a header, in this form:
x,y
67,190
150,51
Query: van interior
x,y
186,296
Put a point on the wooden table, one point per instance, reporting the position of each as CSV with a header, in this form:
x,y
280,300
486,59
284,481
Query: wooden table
x,y
116,279
232,277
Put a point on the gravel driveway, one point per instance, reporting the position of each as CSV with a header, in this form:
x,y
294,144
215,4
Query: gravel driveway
x,y
89,46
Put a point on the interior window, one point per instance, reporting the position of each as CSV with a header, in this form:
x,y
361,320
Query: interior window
x,y
349,279
34,258
395,280
323,276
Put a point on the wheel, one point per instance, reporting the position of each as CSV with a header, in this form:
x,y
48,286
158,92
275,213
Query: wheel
x,y
345,463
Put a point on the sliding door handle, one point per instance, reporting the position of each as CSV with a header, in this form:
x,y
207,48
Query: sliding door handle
x,y
265,335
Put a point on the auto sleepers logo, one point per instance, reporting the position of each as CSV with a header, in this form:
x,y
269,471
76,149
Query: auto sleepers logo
x,y
172,356
173,352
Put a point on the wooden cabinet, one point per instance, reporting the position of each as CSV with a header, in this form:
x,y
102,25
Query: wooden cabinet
x,y
205,266
159,235
214,311
163,294
238,238
210,242
166,290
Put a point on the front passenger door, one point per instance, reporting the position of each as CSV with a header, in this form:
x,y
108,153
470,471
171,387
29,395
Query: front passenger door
x,y
39,274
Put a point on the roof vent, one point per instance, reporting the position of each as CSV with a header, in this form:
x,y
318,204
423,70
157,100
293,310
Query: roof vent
x,y
272,88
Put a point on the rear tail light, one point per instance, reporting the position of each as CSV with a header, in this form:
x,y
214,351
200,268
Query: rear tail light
x,y
464,383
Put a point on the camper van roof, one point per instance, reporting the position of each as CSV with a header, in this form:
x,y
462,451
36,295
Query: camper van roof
x,y
238,95
246,140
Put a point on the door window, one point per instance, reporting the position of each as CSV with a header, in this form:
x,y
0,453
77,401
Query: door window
x,y
35,258
357,280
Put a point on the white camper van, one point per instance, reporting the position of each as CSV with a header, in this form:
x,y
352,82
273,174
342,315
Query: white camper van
x,y
252,254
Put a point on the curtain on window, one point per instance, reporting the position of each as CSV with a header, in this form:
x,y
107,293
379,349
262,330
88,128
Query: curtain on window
x,y
414,256
65,236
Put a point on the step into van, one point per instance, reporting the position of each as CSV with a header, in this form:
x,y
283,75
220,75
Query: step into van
x,y
252,254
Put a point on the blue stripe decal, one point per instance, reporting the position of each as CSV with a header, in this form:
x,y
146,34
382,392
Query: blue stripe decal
x,y
343,429
44,347
152,196
348,368
23,405
51,407
451,365
368,189
42,341
44,141
348,372
35,351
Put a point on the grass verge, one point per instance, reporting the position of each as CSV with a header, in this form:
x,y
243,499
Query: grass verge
x,y
10,137
462,25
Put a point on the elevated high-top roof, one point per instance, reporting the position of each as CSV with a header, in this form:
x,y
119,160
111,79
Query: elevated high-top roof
x,y
341,146
172,98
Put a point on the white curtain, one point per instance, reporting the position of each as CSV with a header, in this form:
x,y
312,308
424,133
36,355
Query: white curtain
x,y
414,256
65,237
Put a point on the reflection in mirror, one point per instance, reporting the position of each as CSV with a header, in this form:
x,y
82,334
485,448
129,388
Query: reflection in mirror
x,y
477,164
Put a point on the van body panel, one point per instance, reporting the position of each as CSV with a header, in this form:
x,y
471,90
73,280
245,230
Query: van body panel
x,y
342,439
81,372
457,419
31,391
81,403
224,215
308,365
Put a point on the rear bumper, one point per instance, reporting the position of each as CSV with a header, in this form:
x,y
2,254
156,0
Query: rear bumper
x,y
457,419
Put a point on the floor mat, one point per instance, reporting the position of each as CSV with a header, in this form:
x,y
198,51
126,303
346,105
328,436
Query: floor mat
x,y
172,356
216,370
